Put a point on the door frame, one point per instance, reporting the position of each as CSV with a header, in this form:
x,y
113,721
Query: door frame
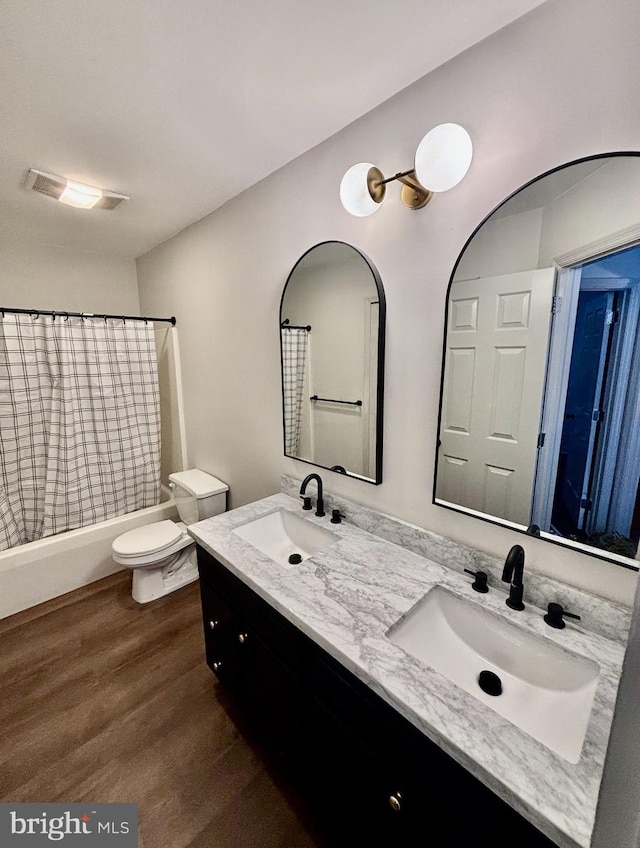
x,y
569,272
555,393
609,496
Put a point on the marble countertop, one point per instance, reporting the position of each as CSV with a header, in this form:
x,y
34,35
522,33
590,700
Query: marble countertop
x,y
348,596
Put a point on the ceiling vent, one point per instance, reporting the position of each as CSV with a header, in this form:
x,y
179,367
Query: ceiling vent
x,y
54,186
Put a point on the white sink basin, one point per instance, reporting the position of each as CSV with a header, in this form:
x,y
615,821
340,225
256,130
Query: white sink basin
x,y
286,537
546,691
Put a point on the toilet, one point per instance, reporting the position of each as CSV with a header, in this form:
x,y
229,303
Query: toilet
x,y
162,555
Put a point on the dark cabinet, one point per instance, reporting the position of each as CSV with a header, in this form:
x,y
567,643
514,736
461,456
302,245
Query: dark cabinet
x,y
256,653
271,695
375,774
372,776
394,784
354,788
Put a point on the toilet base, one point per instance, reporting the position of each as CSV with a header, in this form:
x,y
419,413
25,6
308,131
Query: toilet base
x,y
149,584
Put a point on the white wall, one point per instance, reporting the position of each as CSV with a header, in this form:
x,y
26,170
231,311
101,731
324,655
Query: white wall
x,y
603,203
42,276
503,246
573,220
557,85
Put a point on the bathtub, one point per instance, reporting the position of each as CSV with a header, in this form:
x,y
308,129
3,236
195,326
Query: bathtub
x,y
39,571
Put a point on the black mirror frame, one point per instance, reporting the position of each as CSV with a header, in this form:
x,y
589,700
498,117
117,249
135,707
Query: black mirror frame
x,y
594,552
382,315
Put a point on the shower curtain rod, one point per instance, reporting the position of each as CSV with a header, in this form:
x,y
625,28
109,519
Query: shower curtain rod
x,y
63,314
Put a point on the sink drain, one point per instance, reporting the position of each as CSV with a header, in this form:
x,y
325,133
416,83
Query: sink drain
x,y
294,559
490,683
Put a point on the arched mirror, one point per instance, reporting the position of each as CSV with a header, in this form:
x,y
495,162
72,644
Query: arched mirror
x,y
332,318
540,399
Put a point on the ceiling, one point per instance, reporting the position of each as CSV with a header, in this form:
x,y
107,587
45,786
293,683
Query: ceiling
x,y
183,105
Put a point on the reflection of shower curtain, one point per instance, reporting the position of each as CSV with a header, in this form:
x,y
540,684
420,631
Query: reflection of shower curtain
x,y
79,423
294,353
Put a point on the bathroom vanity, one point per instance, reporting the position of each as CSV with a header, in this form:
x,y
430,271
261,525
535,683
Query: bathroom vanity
x,y
388,749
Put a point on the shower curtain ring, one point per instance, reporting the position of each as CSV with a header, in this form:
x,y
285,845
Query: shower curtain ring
x,y
36,314
66,315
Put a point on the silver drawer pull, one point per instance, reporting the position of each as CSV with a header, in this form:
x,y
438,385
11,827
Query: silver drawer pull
x,y
217,666
213,625
242,638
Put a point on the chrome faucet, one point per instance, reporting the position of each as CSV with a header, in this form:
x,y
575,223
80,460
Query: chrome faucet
x,y
320,501
512,573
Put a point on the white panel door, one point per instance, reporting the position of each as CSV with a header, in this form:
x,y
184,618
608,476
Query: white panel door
x,y
496,352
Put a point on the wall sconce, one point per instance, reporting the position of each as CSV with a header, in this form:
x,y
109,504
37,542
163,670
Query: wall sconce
x,y
442,159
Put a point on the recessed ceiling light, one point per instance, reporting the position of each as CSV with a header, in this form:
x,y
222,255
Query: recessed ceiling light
x,y
71,192
80,195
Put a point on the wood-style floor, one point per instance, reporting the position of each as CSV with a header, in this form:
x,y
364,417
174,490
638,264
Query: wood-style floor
x,y
104,700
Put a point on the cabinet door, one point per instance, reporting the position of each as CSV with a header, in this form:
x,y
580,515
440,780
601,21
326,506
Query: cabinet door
x,y
361,797
365,764
271,696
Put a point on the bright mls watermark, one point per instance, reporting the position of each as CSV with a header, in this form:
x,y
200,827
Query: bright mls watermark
x,y
86,825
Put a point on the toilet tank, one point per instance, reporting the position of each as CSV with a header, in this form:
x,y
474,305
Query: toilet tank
x,y
198,495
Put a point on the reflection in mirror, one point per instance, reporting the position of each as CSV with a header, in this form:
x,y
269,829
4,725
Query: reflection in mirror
x,y
540,403
332,317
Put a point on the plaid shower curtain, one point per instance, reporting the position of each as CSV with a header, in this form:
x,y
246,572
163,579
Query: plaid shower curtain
x,y
294,354
79,423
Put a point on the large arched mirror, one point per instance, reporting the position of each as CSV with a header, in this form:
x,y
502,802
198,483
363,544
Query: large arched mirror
x,y
540,402
332,318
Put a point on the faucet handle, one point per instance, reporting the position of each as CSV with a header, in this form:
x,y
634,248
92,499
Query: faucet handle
x,y
306,502
480,582
554,616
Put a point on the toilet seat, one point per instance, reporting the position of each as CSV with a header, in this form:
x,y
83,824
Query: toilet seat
x,y
148,539
151,543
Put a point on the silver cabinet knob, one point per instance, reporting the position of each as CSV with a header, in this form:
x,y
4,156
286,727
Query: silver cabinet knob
x,y
242,638
213,625
394,802
217,666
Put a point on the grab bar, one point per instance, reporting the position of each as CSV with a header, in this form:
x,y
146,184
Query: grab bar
x,y
332,400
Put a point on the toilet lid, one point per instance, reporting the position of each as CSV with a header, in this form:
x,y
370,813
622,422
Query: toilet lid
x,y
148,539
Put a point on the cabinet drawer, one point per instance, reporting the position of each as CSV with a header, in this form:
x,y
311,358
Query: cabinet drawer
x,y
220,636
